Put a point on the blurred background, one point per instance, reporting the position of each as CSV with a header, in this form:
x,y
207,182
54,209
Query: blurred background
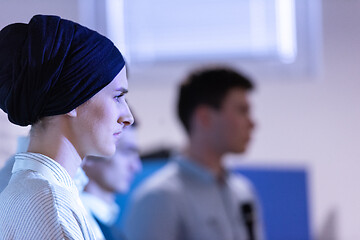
x,y
302,54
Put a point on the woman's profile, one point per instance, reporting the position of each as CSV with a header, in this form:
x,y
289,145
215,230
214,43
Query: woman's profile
x,y
69,83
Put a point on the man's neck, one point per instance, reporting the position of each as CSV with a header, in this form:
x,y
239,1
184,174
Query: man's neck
x,y
206,157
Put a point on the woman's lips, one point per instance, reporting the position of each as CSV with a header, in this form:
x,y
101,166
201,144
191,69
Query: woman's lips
x,y
117,134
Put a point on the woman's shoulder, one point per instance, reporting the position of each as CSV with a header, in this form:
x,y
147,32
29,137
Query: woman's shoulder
x,y
27,189
31,200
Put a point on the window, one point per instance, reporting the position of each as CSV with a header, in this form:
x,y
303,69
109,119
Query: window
x,y
271,35
162,30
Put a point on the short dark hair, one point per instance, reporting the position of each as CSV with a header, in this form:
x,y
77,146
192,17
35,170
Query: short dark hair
x,y
208,86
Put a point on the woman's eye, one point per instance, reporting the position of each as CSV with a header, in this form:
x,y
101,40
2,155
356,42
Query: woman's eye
x,y
117,98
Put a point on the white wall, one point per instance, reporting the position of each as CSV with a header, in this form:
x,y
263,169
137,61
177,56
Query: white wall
x,y
314,123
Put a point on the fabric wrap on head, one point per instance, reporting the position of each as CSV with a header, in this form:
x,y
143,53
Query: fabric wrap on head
x,y
51,66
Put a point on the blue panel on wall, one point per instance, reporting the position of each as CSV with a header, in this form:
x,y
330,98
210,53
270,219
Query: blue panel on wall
x,y
284,199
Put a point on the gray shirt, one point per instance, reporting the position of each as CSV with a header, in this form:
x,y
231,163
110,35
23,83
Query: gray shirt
x,y
183,201
5,173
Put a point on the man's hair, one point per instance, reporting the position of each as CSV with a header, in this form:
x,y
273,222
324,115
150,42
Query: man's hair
x,y
208,86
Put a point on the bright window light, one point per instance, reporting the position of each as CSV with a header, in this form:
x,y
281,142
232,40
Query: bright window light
x,y
286,34
115,23
270,33
162,30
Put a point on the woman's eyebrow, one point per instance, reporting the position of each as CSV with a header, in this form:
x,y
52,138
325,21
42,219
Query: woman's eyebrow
x,y
123,90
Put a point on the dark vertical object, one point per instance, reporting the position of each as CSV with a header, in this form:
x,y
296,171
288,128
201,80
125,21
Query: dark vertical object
x,y
247,211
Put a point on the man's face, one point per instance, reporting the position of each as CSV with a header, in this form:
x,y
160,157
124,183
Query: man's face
x,y
116,173
232,124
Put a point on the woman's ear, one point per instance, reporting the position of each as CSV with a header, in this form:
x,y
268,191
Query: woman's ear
x,y
72,113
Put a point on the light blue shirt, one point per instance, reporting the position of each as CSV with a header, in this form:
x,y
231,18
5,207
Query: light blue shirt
x,y
184,201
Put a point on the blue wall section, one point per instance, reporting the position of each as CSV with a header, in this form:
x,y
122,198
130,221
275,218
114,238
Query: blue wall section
x,y
283,195
284,199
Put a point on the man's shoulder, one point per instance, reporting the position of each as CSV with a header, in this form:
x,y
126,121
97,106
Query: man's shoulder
x,y
241,185
167,180
239,179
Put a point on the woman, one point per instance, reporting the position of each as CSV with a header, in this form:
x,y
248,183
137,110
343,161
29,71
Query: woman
x,y
69,83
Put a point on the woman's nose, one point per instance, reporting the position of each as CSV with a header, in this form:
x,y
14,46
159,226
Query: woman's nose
x,y
126,118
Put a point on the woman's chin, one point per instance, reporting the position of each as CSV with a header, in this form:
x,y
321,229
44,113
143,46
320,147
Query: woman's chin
x,y
105,152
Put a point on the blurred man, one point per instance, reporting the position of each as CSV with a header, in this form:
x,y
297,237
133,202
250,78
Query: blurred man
x,y
194,197
107,177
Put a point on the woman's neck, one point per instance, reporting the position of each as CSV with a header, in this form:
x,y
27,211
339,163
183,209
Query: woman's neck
x,y
56,146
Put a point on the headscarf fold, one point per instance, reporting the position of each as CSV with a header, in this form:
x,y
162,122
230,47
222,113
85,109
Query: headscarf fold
x,y
50,66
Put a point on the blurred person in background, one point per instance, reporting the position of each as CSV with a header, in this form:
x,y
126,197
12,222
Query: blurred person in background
x,y
109,177
5,171
194,197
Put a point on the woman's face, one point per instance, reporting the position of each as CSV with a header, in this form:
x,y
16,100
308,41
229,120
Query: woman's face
x,y
99,121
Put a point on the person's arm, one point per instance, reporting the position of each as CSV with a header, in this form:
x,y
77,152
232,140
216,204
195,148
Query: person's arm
x,y
250,205
152,216
258,226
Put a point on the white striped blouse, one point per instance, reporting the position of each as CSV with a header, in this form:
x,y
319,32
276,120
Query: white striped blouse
x,y
41,201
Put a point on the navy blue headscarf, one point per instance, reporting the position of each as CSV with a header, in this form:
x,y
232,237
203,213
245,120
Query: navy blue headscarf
x,y
51,66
